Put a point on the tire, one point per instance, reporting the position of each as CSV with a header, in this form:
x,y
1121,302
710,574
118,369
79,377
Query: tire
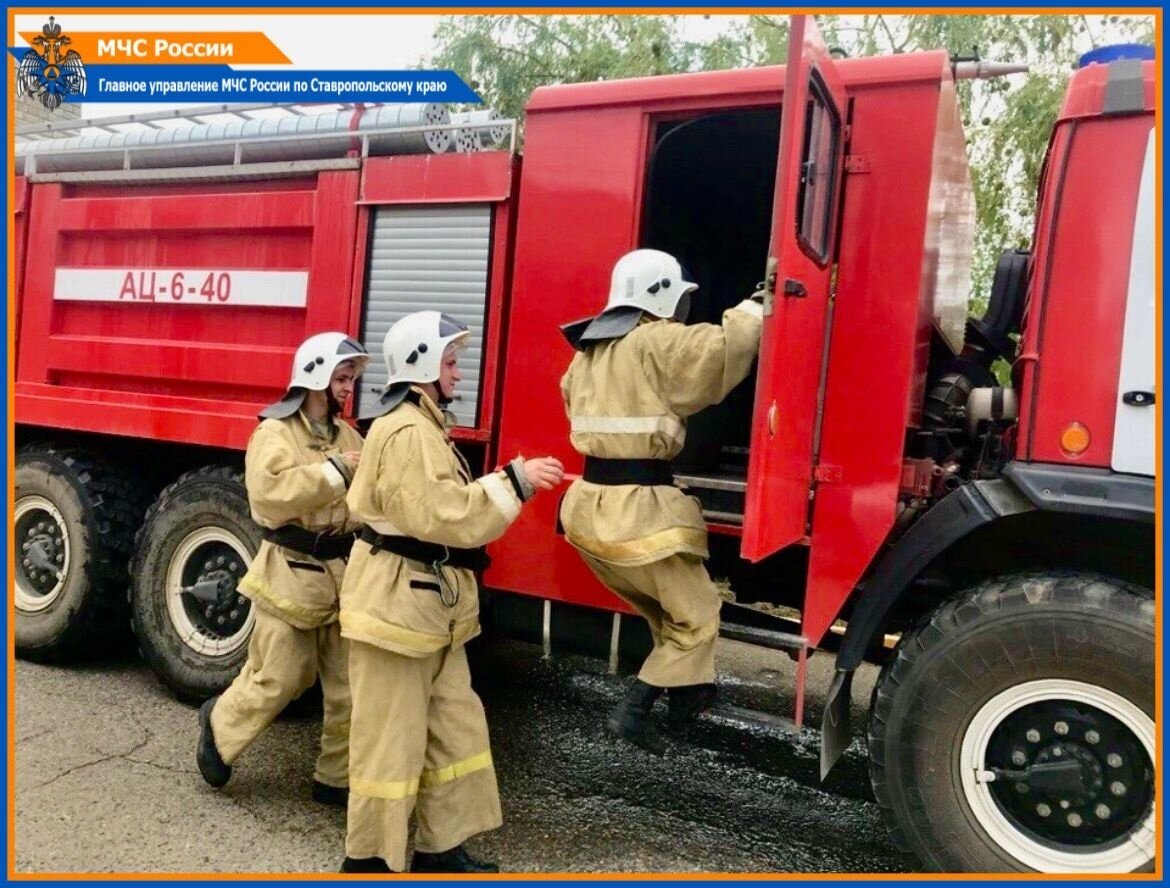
x,y
198,531
74,524
1053,669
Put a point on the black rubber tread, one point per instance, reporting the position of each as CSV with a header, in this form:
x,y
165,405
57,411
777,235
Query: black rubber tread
x,y
1119,654
111,501
190,677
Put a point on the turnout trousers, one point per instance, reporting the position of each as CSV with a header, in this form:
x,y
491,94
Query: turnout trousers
x,y
681,604
419,742
284,662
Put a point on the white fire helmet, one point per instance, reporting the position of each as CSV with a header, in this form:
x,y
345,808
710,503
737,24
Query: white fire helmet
x,y
643,282
313,365
413,351
650,280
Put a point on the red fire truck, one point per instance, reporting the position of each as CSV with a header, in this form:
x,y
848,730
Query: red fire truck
x,y
871,475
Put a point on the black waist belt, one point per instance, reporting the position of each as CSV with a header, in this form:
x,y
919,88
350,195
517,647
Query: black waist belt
x,y
428,553
628,471
325,546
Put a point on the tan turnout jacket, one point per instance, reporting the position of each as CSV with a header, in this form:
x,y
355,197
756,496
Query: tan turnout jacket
x,y
413,482
629,398
291,481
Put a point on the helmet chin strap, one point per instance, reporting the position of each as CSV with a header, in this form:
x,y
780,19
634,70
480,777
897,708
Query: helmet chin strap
x,y
334,407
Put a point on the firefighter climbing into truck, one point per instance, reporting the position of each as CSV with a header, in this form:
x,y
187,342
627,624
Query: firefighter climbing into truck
x,y
873,479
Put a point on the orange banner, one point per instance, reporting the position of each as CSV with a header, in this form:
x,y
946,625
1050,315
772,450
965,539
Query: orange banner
x,y
172,47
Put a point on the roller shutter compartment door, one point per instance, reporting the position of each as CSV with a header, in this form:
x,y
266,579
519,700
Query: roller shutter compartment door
x,y
428,257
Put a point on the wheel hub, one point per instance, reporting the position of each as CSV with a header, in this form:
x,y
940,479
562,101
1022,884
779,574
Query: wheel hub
x,y
1067,792
1060,774
205,607
42,545
211,599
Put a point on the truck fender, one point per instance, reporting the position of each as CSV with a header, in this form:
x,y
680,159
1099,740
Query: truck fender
x,y
956,515
1024,487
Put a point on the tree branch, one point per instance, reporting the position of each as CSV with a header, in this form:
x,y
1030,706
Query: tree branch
x,y
895,46
543,28
1088,29
767,20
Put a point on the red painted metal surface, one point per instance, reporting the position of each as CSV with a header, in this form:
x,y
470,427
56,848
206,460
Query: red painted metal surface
x,y
1078,303
581,198
788,386
438,178
20,196
881,315
1074,316
496,316
717,89
1052,178
579,211
1085,96
179,363
196,375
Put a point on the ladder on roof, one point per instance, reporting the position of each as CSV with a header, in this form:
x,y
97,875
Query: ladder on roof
x,y
146,146
193,116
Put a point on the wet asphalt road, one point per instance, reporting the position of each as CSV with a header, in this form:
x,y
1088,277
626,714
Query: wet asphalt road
x,y
106,779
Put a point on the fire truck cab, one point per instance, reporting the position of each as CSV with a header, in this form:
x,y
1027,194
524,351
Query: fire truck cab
x,y
872,475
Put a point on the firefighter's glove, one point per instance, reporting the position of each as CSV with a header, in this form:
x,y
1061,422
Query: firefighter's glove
x,y
345,463
530,475
520,483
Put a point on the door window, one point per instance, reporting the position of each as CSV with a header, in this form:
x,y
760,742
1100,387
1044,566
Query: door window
x,y
818,172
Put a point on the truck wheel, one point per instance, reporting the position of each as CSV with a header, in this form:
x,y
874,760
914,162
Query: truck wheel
x,y
194,547
1014,729
74,528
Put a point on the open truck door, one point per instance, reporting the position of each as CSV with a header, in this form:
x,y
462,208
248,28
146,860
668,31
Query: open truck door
x,y
800,264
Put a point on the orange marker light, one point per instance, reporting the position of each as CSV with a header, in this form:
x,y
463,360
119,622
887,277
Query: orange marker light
x,y
1074,440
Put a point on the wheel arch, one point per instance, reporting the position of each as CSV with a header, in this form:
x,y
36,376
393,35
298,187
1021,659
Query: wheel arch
x,y
1036,517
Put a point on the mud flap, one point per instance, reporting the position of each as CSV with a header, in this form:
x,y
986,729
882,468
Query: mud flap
x,y
835,731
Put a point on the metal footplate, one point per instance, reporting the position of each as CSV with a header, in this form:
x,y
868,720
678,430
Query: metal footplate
x,y
722,496
764,630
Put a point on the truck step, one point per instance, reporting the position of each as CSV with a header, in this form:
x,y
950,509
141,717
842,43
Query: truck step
x,y
721,494
741,716
714,482
761,637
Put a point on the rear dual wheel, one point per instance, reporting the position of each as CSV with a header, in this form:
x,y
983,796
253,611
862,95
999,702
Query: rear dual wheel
x,y
74,522
1014,729
194,547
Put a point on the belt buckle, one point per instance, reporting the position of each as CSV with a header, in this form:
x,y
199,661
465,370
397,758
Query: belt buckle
x,y
317,546
449,596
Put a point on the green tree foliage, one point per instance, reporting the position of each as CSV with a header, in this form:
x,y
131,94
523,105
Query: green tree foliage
x,y
505,57
1007,119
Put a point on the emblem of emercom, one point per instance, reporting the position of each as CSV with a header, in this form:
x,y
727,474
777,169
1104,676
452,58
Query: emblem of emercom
x,y
49,71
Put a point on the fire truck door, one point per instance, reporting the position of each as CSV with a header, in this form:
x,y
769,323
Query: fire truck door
x,y
801,251
1135,426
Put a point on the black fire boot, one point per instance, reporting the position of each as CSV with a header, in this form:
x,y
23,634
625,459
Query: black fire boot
x,y
631,719
214,769
687,703
457,860
365,865
330,795
327,794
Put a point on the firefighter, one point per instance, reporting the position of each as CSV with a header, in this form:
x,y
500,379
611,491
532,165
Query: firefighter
x,y
299,463
419,739
639,372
